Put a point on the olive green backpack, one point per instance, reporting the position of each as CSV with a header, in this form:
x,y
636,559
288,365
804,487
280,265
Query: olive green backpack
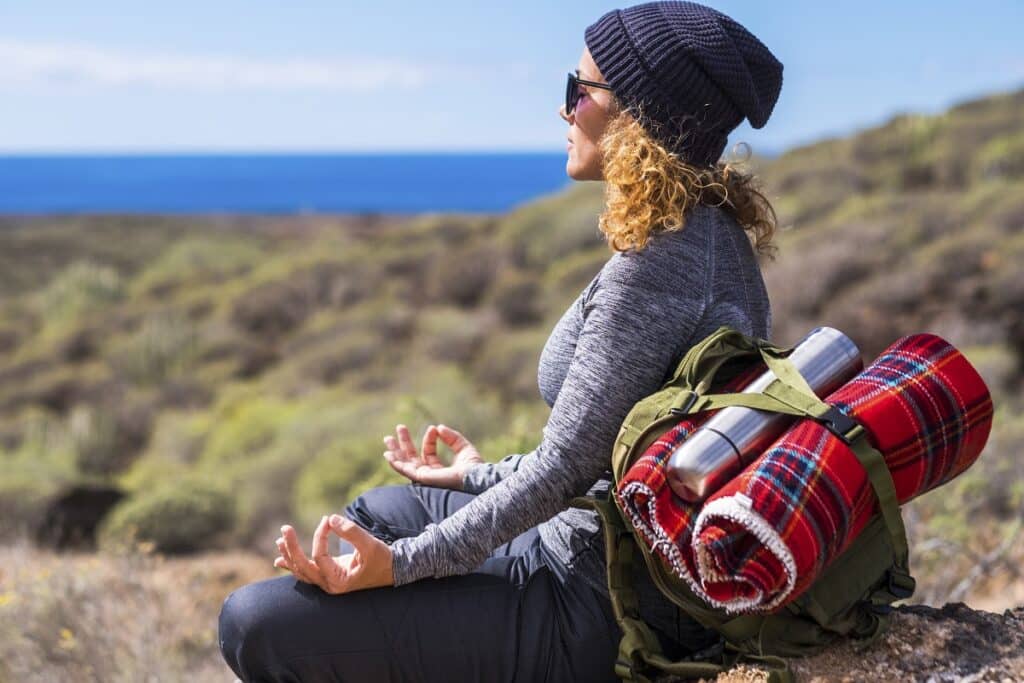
x,y
851,599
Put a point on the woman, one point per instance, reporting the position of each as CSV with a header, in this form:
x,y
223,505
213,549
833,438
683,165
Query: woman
x,y
478,571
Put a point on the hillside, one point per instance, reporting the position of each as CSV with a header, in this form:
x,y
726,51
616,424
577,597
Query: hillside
x,y
233,373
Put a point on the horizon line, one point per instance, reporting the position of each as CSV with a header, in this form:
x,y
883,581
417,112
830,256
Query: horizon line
x,y
257,152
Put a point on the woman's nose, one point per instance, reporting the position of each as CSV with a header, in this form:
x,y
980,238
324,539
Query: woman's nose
x,y
562,114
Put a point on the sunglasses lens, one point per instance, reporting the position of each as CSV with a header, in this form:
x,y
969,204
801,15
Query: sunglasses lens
x,y
571,92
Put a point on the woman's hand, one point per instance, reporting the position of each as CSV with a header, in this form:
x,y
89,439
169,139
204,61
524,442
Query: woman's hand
x,y
428,468
368,567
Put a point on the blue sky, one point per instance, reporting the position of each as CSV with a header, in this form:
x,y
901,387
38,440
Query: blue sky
x,y
228,75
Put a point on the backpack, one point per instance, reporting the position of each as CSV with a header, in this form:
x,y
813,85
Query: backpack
x,y
851,599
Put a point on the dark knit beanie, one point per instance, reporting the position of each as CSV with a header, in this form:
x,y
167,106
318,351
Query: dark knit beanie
x,y
688,72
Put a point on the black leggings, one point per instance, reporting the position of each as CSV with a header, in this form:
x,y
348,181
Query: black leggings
x,y
510,620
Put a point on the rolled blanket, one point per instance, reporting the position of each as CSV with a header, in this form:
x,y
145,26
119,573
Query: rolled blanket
x,y
764,537
663,519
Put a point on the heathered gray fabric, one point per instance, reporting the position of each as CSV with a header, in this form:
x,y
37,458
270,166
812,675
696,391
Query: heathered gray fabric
x,y
617,343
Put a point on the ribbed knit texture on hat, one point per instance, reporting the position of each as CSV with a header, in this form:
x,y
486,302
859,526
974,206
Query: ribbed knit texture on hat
x,y
689,72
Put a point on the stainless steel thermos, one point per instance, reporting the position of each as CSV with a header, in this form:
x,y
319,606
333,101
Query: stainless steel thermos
x,y
719,449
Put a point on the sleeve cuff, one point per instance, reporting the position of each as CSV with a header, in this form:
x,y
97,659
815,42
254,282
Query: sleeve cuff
x,y
410,560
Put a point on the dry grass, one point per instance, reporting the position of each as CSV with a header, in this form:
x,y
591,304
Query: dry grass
x,y
89,617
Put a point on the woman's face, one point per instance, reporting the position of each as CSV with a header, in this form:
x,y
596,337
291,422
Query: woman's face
x,y
587,123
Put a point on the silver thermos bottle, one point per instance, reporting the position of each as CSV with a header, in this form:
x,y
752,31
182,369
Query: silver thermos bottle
x,y
720,448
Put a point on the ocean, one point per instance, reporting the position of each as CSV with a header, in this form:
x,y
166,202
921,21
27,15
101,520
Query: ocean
x,y
277,183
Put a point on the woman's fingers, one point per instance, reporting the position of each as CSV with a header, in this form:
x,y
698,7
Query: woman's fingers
x,y
305,568
329,570
454,439
405,441
430,448
400,453
283,549
406,469
370,565
361,539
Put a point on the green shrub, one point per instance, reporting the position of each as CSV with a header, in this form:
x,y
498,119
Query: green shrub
x,y
108,438
165,345
196,259
463,276
177,517
350,352
327,482
447,394
81,287
508,364
1002,157
242,429
574,273
271,309
10,338
517,298
25,494
453,335
546,230
522,435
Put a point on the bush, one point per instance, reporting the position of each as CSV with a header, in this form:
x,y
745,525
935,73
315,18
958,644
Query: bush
x,y
24,498
10,338
517,297
166,345
240,431
508,364
192,260
108,439
353,351
327,483
81,345
547,230
574,273
454,335
81,287
1002,157
463,276
178,517
272,309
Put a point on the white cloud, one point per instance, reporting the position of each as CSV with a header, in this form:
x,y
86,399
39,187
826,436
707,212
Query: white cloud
x,y
68,64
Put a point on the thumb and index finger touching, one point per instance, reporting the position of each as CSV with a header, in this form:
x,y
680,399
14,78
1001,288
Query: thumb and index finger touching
x,y
360,538
453,439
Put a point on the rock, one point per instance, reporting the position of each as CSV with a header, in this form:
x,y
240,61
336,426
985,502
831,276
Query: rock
x,y
928,644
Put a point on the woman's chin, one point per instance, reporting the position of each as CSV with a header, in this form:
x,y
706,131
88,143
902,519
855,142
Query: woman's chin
x,y
572,169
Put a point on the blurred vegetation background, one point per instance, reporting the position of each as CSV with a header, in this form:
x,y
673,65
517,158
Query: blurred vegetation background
x,y
175,385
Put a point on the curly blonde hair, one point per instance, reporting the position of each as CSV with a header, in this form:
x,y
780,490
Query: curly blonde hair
x,y
650,189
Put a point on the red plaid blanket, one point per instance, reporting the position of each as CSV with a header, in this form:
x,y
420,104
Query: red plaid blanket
x,y
763,538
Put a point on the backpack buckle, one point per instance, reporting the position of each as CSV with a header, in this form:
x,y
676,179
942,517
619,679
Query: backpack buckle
x,y
900,585
881,608
685,409
839,423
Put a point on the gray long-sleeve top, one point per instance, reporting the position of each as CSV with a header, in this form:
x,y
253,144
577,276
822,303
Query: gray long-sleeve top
x,y
617,343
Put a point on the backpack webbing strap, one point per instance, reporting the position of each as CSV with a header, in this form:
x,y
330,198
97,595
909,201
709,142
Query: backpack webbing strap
x,y
640,652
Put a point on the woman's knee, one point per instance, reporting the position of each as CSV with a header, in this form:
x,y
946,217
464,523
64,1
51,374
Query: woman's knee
x,y
244,630
388,512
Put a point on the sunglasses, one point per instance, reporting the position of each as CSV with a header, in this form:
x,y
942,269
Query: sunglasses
x,y
572,90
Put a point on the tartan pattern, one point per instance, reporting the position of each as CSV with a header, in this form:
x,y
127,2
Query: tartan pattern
x,y
763,538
